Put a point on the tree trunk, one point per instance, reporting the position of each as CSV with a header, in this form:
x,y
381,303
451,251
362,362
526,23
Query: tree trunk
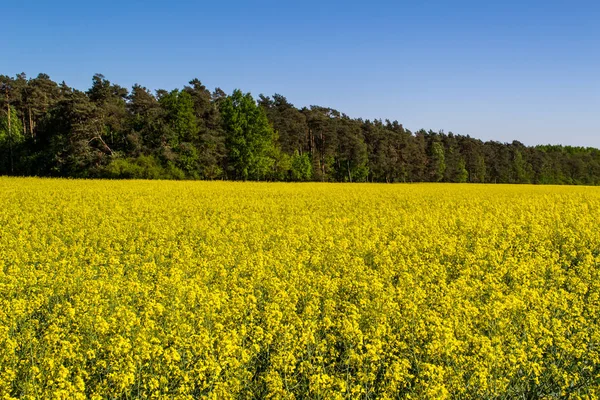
x,y
9,130
322,157
31,124
349,174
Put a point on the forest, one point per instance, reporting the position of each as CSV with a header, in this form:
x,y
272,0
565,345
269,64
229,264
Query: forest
x,y
50,129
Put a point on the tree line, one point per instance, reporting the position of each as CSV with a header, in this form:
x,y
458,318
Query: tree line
x,y
51,129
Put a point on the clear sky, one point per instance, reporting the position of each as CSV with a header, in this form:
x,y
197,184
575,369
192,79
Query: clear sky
x,y
527,70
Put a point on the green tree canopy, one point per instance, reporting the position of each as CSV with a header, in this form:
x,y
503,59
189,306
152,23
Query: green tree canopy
x,y
194,133
15,135
249,137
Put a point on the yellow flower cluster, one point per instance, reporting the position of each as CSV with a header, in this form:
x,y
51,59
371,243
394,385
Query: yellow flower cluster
x,y
184,290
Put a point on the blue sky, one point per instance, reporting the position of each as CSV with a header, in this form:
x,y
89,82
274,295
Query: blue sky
x,y
504,70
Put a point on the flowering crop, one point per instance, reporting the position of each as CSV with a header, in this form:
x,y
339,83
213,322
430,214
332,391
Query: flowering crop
x,y
149,289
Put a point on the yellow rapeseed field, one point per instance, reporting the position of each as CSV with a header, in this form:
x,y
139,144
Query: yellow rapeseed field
x,y
184,290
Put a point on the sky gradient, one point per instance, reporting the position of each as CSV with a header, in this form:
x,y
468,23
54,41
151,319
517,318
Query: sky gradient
x,y
510,70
